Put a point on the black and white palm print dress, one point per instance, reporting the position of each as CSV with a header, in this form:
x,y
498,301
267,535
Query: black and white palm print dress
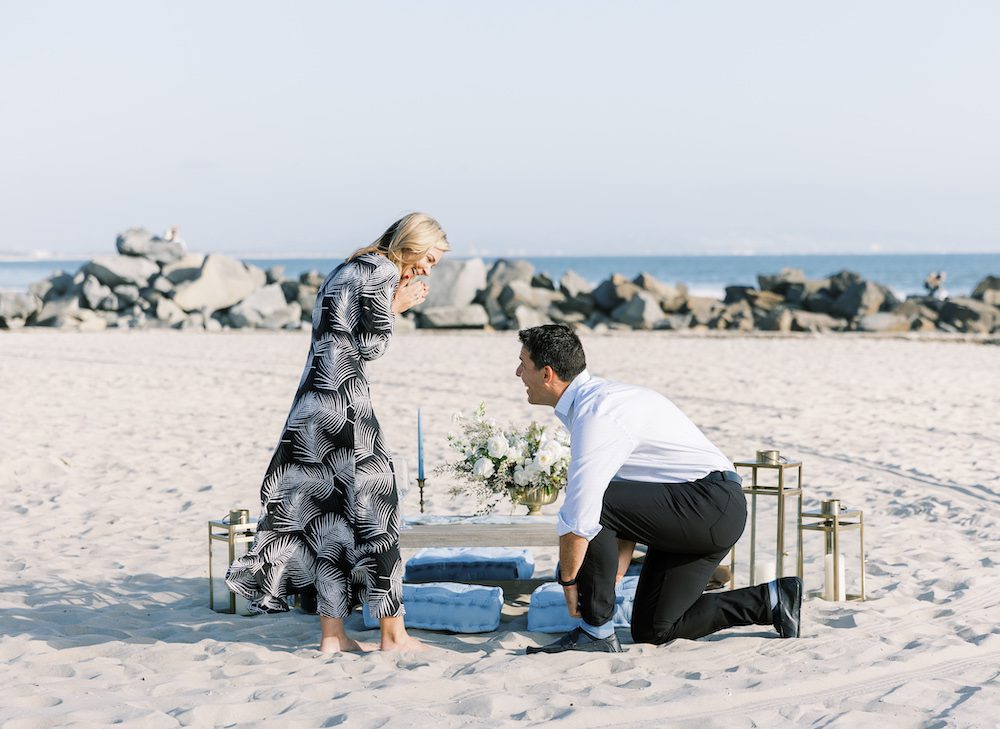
x,y
330,514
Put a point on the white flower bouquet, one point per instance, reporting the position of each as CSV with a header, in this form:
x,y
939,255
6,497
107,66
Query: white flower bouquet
x,y
525,464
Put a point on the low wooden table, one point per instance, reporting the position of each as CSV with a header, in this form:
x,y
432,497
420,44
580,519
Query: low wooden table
x,y
474,532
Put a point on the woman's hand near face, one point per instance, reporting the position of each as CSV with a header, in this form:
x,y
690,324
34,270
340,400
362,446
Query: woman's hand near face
x,y
409,293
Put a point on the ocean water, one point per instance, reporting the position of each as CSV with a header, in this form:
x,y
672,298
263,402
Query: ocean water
x,y
704,275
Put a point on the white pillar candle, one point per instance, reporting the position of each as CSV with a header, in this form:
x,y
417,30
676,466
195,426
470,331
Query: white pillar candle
x,y
764,571
829,591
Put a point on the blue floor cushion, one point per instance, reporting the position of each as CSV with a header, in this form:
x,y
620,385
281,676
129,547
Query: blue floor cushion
x,y
547,611
448,606
468,564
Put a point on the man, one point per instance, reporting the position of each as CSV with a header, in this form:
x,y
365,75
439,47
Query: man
x,y
641,471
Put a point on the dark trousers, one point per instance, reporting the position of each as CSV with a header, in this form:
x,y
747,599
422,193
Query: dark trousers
x,y
688,529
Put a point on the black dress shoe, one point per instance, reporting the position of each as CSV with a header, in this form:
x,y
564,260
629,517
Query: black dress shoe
x,y
785,615
579,639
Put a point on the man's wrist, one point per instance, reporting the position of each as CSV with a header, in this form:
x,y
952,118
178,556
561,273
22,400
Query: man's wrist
x,y
566,583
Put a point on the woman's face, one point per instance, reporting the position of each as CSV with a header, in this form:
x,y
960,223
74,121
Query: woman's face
x,y
425,263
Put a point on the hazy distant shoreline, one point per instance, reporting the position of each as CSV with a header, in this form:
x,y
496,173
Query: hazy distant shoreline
x,y
706,275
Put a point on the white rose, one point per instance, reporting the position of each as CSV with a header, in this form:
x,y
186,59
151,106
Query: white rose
x,y
544,461
521,477
497,446
553,449
483,468
531,470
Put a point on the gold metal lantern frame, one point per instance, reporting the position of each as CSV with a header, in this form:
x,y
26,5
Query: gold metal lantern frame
x,y
771,478
835,523
237,532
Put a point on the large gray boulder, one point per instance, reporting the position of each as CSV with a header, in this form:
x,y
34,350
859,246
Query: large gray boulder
x,y
779,283
505,270
263,304
520,293
820,302
988,291
573,284
454,282
642,311
312,278
60,312
187,268
222,282
140,242
614,292
542,281
671,298
797,294
778,319
884,321
94,294
16,308
471,316
168,312
735,316
737,293
676,322
764,301
842,281
117,270
859,299
810,321
968,315
128,294
56,286
525,317
702,309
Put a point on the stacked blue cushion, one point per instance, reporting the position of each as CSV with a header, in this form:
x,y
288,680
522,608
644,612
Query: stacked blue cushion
x,y
448,606
468,564
547,612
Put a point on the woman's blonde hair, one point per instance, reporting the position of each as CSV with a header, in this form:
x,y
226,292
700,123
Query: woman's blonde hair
x,y
407,240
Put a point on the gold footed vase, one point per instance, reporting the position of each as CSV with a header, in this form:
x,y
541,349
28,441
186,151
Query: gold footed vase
x,y
534,497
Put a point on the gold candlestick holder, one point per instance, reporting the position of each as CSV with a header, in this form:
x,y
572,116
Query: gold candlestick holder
x,y
420,485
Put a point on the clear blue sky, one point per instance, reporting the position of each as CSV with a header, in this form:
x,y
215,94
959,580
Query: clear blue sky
x,y
525,127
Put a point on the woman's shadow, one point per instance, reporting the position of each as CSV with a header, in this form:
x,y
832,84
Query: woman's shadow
x,y
146,608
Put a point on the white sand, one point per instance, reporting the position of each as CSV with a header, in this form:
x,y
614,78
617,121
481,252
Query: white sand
x,y
118,447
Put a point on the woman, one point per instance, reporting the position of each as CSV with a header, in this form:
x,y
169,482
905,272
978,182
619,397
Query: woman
x,y
329,498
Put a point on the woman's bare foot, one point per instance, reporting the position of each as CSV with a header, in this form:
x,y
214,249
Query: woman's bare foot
x,y
395,637
334,639
337,644
405,642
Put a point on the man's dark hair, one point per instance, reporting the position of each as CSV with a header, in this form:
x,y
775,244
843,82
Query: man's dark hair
x,y
556,346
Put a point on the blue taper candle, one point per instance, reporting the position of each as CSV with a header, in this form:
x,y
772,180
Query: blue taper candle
x,y
420,447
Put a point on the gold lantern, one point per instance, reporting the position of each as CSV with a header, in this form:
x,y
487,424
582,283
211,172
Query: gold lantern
x,y
839,577
775,519
228,539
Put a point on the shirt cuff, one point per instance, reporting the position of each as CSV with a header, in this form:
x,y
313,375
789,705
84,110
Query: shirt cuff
x,y
564,527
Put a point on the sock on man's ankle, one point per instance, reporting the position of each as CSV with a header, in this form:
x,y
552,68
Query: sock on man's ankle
x,y
598,631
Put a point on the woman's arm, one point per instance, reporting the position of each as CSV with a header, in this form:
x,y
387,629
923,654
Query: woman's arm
x,y
375,298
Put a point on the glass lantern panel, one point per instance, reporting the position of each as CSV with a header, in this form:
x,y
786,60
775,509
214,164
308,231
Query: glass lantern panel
x,y
758,558
820,571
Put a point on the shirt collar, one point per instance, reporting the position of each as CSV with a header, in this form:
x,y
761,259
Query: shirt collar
x,y
565,405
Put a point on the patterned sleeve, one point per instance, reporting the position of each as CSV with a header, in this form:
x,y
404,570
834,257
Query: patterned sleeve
x,y
375,310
